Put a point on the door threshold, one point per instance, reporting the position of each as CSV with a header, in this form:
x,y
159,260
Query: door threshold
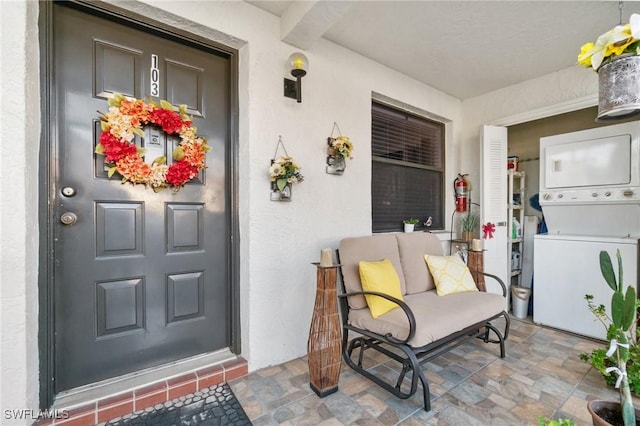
x,y
99,390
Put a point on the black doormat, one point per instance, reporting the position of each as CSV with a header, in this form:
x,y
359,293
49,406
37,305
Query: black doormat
x,y
212,406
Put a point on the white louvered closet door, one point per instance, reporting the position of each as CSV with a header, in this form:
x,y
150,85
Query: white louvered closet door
x,y
493,202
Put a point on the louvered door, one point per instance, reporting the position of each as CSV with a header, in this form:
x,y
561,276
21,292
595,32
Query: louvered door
x,y
493,203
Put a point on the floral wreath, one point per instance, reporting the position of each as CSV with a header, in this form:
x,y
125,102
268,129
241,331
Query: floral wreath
x,y
125,119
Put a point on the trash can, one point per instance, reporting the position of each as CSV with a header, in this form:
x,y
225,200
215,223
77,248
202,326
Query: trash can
x,y
520,300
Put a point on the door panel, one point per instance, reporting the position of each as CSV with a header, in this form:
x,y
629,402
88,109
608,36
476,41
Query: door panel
x,y
142,278
494,204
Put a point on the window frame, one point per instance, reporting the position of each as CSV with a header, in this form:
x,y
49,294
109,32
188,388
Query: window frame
x,y
425,118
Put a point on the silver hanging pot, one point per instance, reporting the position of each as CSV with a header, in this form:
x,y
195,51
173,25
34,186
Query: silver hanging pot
x,y
619,88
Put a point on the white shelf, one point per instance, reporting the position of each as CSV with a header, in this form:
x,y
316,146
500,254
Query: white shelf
x,y
516,184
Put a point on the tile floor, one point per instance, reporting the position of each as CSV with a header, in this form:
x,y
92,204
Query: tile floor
x,y
542,375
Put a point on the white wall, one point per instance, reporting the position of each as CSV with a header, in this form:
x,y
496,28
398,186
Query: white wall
x,y
555,93
19,130
278,240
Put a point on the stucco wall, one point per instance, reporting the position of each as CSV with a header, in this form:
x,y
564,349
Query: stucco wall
x,y
278,240
20,132
555,93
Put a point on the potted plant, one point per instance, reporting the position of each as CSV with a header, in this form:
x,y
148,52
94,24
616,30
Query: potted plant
x,y
620,333
468,225
409,224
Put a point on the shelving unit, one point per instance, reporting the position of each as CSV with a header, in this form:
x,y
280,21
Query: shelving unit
x,y
516,185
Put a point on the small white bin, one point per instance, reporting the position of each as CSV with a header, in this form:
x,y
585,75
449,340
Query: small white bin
x,y
520,300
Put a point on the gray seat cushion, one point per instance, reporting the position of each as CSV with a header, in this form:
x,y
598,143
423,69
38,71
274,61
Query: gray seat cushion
x,y
436,316
412,247
370,248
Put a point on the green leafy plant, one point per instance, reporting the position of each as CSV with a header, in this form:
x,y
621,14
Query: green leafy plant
x,y
469,222
622,356
542,421
410,221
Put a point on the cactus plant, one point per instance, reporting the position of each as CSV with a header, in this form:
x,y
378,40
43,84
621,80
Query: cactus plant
x,y
619,329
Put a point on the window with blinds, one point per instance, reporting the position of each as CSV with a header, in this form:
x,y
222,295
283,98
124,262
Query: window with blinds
x,y
407,170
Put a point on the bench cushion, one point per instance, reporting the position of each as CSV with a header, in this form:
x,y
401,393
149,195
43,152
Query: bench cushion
x,y
370,248
436,316
412,247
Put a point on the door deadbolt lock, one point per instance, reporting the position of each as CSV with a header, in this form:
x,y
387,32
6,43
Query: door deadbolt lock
x,y
68,191
68,218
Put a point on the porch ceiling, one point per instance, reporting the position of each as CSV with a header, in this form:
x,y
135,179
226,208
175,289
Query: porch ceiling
x,y
463,48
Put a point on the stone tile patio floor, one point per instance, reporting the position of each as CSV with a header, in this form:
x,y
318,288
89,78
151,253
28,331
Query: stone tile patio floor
x,y
542,375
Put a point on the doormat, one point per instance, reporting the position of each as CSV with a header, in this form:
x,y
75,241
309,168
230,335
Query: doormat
x,y
216,405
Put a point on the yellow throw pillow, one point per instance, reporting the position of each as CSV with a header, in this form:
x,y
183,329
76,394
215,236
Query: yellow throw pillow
x,y
381,277
450,274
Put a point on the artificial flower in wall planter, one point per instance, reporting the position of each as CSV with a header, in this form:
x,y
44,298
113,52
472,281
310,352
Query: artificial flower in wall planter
x,y
615,56
284,171
340,148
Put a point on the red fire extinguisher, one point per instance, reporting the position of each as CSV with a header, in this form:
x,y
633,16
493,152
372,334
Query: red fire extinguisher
x,y
461,186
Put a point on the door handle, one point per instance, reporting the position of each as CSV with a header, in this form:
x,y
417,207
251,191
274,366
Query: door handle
x,y
68,218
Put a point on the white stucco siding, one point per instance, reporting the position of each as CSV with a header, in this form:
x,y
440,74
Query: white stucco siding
x,y
19,142
532,99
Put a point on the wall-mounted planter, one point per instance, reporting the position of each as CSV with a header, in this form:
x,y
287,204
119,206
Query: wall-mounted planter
x,y
281,195
335,162
339,150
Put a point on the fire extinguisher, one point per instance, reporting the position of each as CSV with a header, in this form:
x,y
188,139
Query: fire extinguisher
x,y
461,186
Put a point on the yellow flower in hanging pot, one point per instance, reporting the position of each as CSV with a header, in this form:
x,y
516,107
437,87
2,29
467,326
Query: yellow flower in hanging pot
x,y
622,39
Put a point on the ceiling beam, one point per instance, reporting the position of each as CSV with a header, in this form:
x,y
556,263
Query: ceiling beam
x,y
304,22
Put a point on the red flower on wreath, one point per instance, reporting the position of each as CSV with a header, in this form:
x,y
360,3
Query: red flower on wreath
x,y
181,172
125,120
114,150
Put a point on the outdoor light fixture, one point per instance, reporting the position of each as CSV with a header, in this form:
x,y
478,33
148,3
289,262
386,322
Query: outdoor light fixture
x,y
298,64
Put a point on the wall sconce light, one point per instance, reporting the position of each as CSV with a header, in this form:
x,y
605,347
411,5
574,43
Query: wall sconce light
x,y
298,64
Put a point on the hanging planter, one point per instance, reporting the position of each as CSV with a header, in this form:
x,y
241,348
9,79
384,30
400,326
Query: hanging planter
x,y
283,173
339,150
283,194
614,56
619,88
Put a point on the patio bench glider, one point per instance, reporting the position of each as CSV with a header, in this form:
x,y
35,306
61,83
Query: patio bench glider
x,y
390,302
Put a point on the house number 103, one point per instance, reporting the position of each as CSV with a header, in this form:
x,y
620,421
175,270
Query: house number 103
x,y
155,76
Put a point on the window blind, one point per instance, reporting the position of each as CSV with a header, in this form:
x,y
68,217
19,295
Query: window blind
x,y
407,168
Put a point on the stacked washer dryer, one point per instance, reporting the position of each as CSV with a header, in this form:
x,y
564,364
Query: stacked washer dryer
x,y
590,198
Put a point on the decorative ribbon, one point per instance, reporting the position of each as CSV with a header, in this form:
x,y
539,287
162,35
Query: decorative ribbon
x,y
619,373
614,345
487,230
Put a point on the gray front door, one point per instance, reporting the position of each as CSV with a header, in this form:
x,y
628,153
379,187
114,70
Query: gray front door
x,y
141,278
